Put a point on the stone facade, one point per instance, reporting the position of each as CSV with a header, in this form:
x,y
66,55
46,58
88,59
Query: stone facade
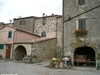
x,y
44,50
59,32
26,23
72,12
50,25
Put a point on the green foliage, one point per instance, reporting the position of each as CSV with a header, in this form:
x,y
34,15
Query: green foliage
x,y
52,63
80,33
98,56
58,53
34,56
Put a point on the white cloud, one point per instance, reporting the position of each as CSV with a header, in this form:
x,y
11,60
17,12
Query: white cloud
x,y
14,8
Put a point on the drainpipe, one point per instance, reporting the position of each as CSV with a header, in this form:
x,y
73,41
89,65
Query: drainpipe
x,y
12,49
56,39
63,29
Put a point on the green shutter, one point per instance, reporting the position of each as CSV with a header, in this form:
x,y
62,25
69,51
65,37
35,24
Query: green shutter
x,y
1,46
9,34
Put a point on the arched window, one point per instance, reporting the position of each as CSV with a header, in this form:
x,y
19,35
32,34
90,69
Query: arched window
x,y
43,34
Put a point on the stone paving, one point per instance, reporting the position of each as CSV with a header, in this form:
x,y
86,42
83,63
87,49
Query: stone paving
x,y
19,68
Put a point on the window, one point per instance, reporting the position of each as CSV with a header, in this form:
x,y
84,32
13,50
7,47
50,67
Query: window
x,y
43,34
9,34
1,46
82,24
44,21
22,22
81,2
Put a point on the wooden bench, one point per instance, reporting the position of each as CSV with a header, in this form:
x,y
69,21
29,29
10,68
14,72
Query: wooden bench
x,y
80,59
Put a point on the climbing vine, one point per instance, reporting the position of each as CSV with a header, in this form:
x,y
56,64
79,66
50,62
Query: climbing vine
x,y
81,43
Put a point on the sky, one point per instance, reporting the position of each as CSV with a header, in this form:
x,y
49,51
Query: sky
x,y
10,9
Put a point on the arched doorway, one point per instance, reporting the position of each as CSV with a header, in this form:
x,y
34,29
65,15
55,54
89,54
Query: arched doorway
x,y
20,52
84,56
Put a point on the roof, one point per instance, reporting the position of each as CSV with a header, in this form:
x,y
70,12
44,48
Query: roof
x,y
21,30
44,39
24,17
34,41
37,17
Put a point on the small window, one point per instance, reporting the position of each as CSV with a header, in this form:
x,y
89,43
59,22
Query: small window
x,y
44,21
43,34
82,24
22,22
1,46
81,2
10,34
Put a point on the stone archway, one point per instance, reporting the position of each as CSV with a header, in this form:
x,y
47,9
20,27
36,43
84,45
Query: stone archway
x,y
20,52
84,56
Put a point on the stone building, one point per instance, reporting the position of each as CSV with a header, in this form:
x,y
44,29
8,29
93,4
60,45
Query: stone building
x,y
45,26
48,28
81,33
25,23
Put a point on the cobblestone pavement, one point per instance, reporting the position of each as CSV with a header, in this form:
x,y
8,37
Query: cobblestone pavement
x,y
20,68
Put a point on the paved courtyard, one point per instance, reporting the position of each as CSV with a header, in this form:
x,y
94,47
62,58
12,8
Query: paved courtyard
x,y
19,68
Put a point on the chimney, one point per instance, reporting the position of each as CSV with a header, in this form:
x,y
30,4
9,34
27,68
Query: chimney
x,y
10,22
43,14
52,14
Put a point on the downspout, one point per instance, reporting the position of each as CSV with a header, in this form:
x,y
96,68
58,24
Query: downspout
x,y
63,29
56,39
12,50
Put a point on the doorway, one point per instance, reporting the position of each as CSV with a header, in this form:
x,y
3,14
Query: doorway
x,y
20,52
8,50
84,56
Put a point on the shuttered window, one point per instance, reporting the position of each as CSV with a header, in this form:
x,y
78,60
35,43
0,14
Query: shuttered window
x,y
10,34
81,2
82,24
1,46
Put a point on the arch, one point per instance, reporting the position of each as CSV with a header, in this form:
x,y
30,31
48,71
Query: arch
x,y
20,52
43,34
84,56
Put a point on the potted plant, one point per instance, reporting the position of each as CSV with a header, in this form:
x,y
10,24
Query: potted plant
x,y
34,58
80,33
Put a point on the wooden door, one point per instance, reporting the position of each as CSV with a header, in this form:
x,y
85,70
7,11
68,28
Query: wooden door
x,y
8,51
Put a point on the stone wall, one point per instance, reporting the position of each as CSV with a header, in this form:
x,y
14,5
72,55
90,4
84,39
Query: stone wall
x,y
52,27
45,50
28,26
59,32
49,27
92,20
72,9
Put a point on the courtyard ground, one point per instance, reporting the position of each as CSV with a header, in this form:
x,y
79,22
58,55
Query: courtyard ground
x,y
8,67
